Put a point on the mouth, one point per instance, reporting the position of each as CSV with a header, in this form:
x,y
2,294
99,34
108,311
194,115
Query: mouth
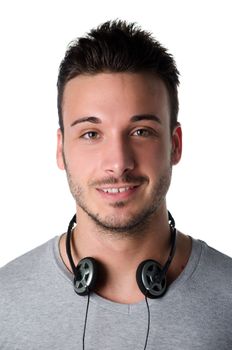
x,y
119,192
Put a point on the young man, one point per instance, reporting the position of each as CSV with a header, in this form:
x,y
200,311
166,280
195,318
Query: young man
x,y
122,277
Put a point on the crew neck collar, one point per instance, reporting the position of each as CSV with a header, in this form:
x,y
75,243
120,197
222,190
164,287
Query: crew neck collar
x,y
126,308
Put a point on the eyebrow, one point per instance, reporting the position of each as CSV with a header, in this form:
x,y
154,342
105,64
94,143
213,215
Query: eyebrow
x,y
93,120
153,117
134,118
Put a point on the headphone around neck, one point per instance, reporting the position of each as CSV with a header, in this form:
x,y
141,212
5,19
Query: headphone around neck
x,y
150,275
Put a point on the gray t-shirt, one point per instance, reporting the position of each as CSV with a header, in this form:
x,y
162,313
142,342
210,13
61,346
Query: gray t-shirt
x,y
40,310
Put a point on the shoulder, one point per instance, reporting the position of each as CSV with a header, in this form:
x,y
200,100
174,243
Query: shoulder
x,y
26,268
214,269
215,259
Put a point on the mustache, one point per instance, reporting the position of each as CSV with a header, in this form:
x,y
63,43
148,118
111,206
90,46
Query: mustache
x,y
127,179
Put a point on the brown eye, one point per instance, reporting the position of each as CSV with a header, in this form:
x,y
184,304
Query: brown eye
x,y
142,132
90,135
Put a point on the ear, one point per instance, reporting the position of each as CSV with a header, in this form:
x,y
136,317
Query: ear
x,y
176,144
59,150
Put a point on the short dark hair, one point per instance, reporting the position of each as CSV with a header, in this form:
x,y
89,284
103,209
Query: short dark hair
x,y
118,46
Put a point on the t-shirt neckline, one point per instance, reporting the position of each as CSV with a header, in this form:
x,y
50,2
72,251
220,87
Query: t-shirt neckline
x,y
187,272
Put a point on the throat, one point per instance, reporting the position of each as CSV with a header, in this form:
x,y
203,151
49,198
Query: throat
x,y
118,293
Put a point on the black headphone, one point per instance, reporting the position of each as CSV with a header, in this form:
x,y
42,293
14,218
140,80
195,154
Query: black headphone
x,y
150,275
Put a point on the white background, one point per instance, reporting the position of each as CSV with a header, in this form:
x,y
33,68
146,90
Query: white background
x,y
35,203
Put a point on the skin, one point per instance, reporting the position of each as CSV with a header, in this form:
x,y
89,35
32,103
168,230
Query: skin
x,y
117,135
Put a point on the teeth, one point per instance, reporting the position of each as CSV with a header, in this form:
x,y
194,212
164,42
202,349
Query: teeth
x,y
116,190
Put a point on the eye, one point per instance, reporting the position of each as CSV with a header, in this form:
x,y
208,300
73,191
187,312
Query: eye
x,y
90,135
143,132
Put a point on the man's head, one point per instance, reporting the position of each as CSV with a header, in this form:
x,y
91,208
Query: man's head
x,y
119,47
119,135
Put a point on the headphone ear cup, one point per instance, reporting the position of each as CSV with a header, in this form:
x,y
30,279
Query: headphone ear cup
x,y
150,280
85,276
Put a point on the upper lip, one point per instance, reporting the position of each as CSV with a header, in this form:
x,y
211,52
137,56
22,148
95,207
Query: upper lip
x,y
117,186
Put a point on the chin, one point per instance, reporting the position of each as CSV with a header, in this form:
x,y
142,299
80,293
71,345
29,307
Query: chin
x,y
127,222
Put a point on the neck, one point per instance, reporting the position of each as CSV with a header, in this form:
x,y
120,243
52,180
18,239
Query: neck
x,y
120,254
140,242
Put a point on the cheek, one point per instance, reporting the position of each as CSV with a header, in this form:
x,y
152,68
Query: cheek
x,y
80,165
156,156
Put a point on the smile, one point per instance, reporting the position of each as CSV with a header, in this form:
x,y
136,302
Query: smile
x,y
118,193
116,190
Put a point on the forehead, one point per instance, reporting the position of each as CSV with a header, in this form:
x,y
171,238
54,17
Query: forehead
x,y
114,95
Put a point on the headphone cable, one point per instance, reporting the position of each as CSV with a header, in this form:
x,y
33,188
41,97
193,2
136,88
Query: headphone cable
x,y
86,316
148,323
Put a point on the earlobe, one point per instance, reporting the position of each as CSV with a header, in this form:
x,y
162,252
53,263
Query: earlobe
x,y
176,144
59,150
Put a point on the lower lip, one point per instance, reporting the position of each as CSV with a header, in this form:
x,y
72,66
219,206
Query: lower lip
x,y
119,195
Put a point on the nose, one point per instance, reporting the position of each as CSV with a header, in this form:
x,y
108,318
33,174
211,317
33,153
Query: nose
x,y
118,157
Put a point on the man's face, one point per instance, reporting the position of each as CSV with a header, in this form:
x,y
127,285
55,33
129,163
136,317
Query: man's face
x,y
117,148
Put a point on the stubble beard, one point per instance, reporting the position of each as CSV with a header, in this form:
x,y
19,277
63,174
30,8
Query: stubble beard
x,y
135,224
